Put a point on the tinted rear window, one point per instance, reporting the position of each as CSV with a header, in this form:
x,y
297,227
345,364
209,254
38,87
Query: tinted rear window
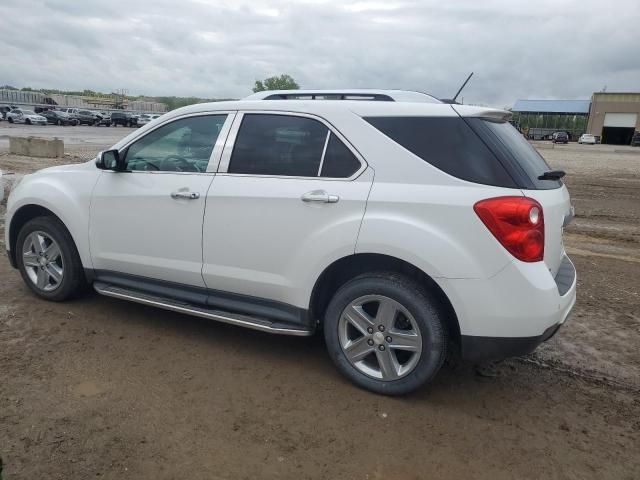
x,y
278,145
523,161
339,161
448,144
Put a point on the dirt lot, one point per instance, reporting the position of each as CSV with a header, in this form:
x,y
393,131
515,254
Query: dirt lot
x,y
99,388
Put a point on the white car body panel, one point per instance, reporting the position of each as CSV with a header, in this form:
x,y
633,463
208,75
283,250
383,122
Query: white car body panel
x,y
521,300
428,228
261,239
65,191
138,228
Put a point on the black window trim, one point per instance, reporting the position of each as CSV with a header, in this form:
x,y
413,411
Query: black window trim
x,y
223,167
216,152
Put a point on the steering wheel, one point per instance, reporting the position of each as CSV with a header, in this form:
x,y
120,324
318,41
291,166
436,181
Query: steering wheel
x,y
179,164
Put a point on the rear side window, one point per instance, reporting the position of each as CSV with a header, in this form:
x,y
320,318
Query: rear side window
x,y
448,144
339,161
516,152
283,145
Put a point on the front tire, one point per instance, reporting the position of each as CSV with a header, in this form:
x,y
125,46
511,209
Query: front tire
x,y
27,121
385,333
48,260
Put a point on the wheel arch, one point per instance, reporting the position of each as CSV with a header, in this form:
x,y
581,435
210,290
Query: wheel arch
x,y
20,218
346,268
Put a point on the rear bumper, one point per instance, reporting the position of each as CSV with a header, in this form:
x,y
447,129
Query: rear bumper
x,y
498,348
513,312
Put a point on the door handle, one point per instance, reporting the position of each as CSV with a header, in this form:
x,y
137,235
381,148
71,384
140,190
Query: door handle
x,y
319,196
185,195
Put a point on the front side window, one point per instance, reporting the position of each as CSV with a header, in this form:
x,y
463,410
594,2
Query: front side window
x,y
183,145
282,145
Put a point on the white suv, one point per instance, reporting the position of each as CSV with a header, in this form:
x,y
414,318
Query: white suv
x,y
404,231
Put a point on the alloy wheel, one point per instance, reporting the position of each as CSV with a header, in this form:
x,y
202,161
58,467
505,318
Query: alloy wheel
x,y
43,261
379,337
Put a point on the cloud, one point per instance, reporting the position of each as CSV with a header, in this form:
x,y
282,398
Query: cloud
x,y
543,49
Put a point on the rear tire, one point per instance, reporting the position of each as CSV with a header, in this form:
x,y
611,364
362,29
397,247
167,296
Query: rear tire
x,y
400,341
10,119
48,260
27,121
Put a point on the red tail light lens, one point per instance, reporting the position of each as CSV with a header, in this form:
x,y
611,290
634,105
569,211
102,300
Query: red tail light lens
x,y
517,223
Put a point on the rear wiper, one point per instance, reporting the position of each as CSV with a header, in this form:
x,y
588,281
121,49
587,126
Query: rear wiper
x,y
552,175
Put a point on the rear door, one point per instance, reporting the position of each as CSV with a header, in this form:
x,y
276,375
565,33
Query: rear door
x,y
147,220
289,197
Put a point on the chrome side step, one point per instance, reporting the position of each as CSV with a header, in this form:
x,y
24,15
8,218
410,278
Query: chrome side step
x,y
254,323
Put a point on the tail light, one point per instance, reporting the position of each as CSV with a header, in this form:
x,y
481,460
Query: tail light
x,y
517,223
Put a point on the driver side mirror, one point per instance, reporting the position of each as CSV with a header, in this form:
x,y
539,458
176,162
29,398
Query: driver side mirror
x,y
109,160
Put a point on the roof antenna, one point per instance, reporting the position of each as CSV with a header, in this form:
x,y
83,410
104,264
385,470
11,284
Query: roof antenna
x,y
453,100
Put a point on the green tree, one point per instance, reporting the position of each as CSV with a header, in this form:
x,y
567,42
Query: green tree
x,y
282,82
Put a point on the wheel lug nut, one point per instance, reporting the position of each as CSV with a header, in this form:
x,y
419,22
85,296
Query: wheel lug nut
x,y
381,328
370,330
370,342
388,339
381,348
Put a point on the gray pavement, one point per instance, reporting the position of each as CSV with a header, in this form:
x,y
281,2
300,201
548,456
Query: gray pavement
x,y
80,135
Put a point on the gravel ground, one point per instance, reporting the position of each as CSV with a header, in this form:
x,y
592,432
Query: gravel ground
x,y
99,388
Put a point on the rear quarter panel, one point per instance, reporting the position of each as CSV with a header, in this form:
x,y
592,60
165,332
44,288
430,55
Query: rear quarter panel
x,y
433,227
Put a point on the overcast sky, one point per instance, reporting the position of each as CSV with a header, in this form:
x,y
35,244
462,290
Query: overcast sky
x,y
208,48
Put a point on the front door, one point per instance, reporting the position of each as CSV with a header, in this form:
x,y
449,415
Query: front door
x,y
147,220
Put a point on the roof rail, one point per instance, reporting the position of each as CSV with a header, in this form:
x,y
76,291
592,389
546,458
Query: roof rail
x,y
346,94
331,96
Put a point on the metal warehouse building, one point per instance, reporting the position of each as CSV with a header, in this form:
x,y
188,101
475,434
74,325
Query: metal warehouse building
x,y
611,117
538,119
614,117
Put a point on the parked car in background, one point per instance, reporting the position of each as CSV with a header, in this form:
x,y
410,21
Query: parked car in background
x,y
587,138
86,117
635,140
57,117
453,247
73,114
143,119
103,118
28,117
560,137
123,118
3,111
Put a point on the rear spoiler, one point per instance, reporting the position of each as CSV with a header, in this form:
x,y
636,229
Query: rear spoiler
x,y
482,112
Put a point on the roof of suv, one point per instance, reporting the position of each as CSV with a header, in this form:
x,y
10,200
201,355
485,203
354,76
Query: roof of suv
x,y
363,94
358,107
